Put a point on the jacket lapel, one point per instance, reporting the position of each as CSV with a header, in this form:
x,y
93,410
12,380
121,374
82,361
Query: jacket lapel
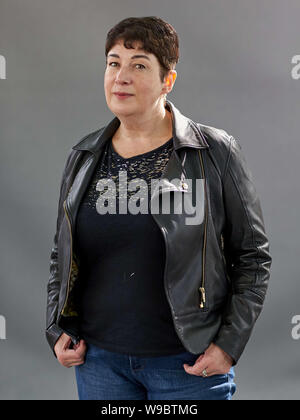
x,y
184,131
185,134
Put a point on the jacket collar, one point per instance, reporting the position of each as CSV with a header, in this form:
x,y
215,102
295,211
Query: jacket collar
x,y
185,133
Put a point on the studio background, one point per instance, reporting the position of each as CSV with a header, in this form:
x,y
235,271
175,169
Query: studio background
x,y
234,73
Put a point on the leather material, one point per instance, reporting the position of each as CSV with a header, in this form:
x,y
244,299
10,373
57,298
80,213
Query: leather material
x,y
226,253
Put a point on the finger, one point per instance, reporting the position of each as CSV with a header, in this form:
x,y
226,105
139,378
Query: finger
x,y
194,370
67,344
198,367
200,358
75,363
208,373
75,347
81,362
70,362
81,349
80,345
71,356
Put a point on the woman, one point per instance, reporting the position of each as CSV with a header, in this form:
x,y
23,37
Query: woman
x,y
160,261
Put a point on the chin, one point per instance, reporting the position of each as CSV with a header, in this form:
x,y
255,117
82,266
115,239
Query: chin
x,y
123,108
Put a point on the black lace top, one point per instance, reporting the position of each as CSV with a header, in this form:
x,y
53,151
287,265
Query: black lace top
x,y
122,300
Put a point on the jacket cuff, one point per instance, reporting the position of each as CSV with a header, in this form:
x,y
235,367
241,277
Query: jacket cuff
x,y
52,334
230,342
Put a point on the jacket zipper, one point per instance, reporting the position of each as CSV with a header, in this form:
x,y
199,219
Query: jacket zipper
x,y
202,287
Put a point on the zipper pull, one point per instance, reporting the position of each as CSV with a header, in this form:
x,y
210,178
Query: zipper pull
x,y
202,302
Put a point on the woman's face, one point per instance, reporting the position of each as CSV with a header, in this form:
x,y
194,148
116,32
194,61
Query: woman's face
x,y
138,76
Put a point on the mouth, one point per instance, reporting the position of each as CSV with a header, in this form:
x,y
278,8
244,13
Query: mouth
x,y
123,95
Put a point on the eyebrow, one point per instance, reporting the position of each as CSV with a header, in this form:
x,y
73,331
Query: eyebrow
x,y
134,56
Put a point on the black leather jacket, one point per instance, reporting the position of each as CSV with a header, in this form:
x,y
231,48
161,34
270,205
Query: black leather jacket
x,y
216,272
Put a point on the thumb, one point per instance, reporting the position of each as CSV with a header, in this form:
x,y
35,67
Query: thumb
x,y
81,346
196,361
67,343
198,365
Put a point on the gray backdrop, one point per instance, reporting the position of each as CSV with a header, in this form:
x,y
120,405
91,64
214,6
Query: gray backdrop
x,y
234,73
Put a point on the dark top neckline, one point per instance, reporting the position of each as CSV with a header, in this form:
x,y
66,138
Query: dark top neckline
x,y
141,154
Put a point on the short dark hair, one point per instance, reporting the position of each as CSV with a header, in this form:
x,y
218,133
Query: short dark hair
x,y
155,35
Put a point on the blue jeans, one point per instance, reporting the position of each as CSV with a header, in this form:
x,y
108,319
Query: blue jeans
x,y
107,375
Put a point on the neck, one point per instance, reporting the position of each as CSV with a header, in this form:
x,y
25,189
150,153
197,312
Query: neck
x,y
157,125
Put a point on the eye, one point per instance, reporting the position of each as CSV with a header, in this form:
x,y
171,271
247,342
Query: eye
x,y
141,65
114,62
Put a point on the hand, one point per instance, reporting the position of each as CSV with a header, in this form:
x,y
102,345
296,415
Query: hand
x,y
214,361
69,357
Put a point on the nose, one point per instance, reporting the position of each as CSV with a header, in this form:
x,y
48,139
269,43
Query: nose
x,y
122,77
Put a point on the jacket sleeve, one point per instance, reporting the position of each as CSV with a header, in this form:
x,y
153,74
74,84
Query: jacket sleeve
x,y
53,332
246,250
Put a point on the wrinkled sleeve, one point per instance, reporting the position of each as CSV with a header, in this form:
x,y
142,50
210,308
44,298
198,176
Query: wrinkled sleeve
x,y
246,249
53,332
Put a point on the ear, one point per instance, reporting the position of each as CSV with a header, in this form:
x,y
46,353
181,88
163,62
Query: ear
x,y
170,80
